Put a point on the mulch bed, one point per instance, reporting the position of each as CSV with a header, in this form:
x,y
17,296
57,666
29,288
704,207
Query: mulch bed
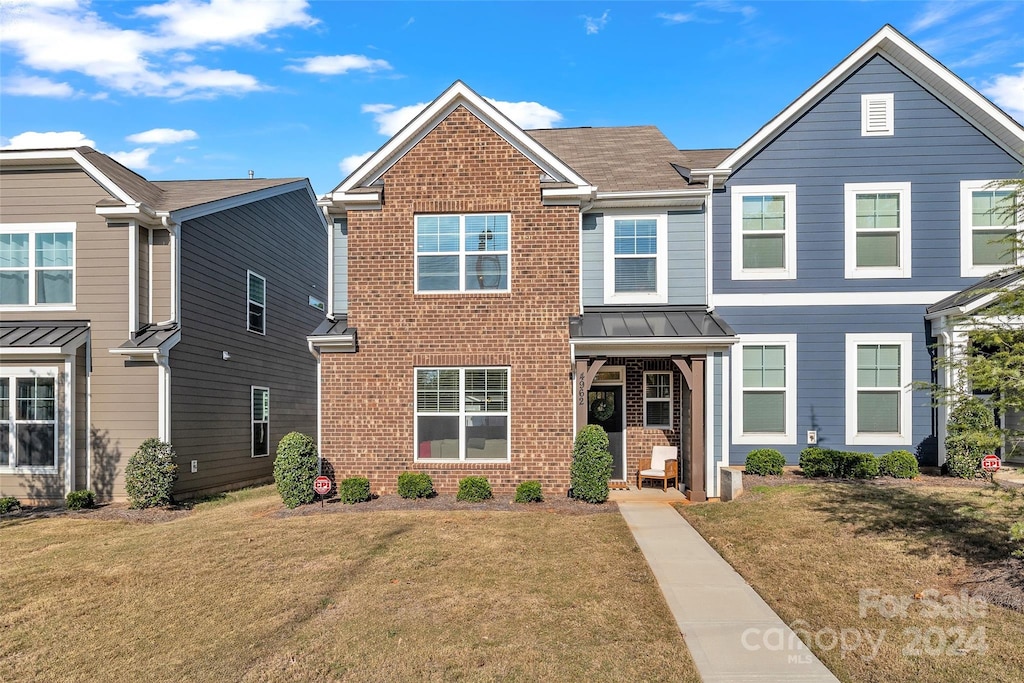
x,y
445,502
106,512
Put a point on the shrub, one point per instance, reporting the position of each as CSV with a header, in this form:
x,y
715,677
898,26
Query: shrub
x,y
970,434
473,489
415,485
765,461
9,504
76,500
354,490
150,474
826,462
295,467
591,465
899,464
529,492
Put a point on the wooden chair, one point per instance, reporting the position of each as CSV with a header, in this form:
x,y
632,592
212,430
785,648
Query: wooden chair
x,y
661,465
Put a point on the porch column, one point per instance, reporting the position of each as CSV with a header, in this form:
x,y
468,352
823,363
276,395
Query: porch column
x,y
693,375
584,378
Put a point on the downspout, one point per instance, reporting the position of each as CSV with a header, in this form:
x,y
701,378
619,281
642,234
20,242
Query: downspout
x,y
133,278
174,230
164,396
330,266
708,247
88,412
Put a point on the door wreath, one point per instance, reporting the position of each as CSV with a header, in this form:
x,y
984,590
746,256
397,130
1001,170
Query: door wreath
x,y
602,408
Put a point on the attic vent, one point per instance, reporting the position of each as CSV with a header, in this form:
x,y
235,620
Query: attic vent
x,y
876,114
119,224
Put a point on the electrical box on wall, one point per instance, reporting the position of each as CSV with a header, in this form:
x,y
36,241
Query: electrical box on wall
x,y
812,436
195,466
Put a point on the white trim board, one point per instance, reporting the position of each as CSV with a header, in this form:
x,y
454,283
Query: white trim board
x,y
879,298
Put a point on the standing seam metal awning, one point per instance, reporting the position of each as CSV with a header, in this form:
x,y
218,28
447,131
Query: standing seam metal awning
x,y
652,325
43,337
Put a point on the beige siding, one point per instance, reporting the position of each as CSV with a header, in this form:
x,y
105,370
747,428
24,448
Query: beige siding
x,y
143,265
124,408
161,265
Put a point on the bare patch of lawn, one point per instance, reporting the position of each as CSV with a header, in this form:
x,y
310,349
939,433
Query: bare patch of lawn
x,y
236,591
866,563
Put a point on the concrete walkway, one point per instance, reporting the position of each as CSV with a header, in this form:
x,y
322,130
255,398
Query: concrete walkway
x,y
733,635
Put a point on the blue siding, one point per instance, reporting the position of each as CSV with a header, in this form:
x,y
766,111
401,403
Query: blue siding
x,y
933,148
686,261
821,368
719,401
340,264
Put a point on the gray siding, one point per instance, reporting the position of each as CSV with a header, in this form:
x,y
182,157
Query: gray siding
x,y
933,148
821,368
340,264
283,240
686,258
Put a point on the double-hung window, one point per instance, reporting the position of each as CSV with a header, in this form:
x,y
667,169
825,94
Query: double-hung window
x,y
462,253
658,400
28,420
988,226
37,264
462,414
877,230
260,421
257,306
764,390
878,393
764,232
636,258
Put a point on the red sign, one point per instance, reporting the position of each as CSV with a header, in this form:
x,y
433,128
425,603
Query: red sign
x,y
322,485
990,463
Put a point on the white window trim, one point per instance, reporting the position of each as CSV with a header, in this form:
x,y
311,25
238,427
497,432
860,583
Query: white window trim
x,y
462,253
890,114
253,421
853,271
905,435
11,374
461,414
788,272
249,275
738,435
670,400
660,296
967,267
33,229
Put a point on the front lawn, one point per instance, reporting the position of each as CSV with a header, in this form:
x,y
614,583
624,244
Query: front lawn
x,y
871,573
239,590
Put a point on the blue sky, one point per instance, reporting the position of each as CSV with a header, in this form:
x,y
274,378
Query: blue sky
x,y
211,89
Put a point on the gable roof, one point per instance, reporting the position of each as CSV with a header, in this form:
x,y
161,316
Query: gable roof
x,y
621,159
359,186
918,65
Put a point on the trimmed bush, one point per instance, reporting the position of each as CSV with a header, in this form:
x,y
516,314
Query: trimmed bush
x,y
296,465
354,490
415,485
591,465
77,500
529,492
765,461
826,462
899,464
473,489
971,433
150,475
9,504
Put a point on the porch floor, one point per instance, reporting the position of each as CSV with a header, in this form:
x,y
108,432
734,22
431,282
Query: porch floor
x,y
648,494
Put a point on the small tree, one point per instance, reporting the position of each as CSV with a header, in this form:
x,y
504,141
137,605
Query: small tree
x,y
295,467
970,433
150,474
591,465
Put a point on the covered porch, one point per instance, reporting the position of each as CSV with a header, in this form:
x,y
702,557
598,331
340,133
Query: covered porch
x,y
655,377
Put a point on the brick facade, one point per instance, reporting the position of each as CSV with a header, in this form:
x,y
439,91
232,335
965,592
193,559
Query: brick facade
x,y
461,166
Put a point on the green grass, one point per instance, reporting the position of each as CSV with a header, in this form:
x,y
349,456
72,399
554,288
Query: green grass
x,y
235,591
810,549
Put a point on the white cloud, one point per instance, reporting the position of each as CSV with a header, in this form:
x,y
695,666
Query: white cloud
x,y
525,114
62,36
340,64
351,163
935,13
729,7
593,25
36,86
1007,91
137,159
34,140
162,136
677,18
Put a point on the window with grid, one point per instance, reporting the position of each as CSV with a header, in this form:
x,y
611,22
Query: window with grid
x,y
636,255
878,230
878,388
993,222
764,389
37,264
462,253
658,400
462,414
763,232
28,421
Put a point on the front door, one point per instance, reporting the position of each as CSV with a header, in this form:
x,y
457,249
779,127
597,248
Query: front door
x,y
605,408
